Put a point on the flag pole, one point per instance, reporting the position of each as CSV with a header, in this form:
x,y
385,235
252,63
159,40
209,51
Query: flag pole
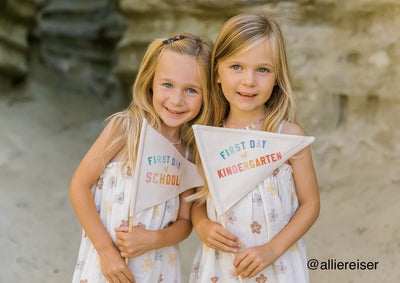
x,y
208,177
233,256
136,176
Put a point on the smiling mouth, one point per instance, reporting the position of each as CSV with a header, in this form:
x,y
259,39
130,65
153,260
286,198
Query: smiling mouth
x,y
247,94
173,111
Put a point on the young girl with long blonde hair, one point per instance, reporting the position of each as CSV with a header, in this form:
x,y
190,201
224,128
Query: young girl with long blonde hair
x,y
264,229
171,92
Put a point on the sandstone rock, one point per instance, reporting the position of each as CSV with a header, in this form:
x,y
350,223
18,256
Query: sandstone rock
x,y
16,20
77,39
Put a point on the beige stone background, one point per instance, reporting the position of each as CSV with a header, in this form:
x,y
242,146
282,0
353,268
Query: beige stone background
x,y
66,65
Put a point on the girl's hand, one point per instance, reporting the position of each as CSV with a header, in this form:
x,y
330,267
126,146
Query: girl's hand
x,y
217,237
136,242
114,267
251,261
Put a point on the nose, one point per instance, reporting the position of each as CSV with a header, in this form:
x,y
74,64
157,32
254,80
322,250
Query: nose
x,y
177,96
248,78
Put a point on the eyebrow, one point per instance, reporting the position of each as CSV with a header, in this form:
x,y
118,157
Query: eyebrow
x,y
238,62
168,79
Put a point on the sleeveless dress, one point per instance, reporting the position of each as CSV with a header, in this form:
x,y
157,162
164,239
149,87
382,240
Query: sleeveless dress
x,y
255,220
109,192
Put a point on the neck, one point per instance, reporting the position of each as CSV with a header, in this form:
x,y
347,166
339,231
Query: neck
x,y
172,136
245,120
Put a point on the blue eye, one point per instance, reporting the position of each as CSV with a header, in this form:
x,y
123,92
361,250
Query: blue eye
x,y
167,85
263,70
236,67
191,90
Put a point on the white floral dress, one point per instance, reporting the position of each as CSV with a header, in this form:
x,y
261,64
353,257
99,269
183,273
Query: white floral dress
x,y
109,193
255,220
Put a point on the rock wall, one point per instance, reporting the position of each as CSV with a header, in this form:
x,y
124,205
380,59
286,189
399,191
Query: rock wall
x,y
68,44
75,44
16,21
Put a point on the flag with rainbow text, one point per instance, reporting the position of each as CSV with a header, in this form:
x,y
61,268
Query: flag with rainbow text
x,y
235,161
161,171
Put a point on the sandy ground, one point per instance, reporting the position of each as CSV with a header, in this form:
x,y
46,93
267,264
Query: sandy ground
x,y
42,139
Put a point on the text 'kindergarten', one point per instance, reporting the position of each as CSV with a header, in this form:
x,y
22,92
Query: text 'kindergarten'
x,y
241,148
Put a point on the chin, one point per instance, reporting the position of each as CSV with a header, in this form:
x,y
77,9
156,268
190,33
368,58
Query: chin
x,y
173,123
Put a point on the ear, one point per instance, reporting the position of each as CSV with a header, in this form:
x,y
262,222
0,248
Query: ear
x,y
218,79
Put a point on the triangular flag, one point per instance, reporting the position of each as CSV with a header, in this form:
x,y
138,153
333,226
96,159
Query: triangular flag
x,y
161,171
235,161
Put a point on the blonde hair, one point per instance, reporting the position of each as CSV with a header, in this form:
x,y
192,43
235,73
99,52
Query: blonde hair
x,y
141,106
237,35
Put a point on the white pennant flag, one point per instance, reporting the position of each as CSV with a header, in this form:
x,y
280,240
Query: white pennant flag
x,y
236,161
161,171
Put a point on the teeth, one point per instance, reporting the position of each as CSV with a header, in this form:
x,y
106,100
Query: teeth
x,y
248,95
175,112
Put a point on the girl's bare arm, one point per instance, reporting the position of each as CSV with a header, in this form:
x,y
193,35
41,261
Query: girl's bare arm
x,y
92,165
251,261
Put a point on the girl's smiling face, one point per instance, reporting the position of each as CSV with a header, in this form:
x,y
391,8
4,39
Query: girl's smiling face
x,y
247,79
177,90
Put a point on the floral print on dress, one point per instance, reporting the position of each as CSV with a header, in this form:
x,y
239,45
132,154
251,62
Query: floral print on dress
x,y
124,223
255,227
172,259
195,269
147,264
160,279
280,267
214,279
271,190
169,207
113,182
100,183
128,171
261,278
230,218
119,198
158,255
106,207
257,199
273,215
156,213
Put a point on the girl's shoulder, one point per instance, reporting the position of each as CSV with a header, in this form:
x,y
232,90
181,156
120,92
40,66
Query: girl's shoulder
x,y
290,128
119,122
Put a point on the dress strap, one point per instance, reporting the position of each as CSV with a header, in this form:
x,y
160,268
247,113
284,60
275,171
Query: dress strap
x,y
280,127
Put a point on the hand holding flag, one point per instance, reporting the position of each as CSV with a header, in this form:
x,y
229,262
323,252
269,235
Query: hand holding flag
x,y
161,172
